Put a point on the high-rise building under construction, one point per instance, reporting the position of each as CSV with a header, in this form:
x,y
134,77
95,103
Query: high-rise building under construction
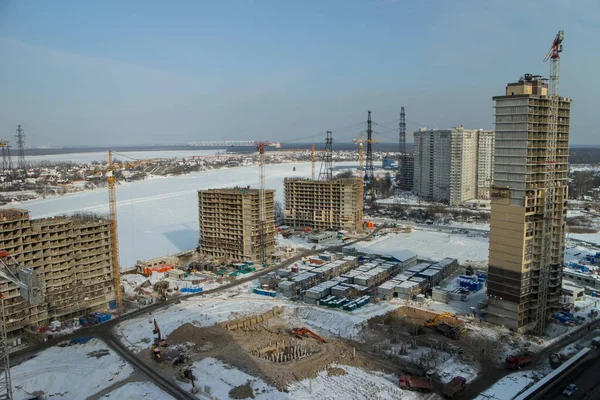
x,y
230,223
529,195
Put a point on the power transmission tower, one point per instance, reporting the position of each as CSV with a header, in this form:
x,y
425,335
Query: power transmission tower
x,y
326,173
20,137
401,142
369,173
6,158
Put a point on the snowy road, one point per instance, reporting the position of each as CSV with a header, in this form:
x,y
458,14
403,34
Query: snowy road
x,y
160,216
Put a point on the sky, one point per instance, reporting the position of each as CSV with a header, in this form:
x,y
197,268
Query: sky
x,y
156,72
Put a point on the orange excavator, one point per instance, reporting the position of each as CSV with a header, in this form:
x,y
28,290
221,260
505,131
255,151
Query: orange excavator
x,y
302,332
158,340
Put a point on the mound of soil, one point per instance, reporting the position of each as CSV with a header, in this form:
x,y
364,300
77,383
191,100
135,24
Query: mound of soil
x,y
242,392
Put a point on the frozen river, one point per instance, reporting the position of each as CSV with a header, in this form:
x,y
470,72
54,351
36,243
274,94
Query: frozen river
x,y
160,216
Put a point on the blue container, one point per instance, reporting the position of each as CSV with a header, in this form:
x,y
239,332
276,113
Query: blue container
x,y
83,321
112,305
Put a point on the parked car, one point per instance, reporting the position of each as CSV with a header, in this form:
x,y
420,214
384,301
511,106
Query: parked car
x,y
569,390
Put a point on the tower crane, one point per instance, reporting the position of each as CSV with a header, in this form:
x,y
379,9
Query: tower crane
x,y
553,56
262,212
112,205
361,153
31,291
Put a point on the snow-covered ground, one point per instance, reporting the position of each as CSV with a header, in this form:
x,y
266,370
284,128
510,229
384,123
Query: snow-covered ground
x,y
73,372
137,391
87,158
160,216
355,384
350,384
508,387
428,244
239,302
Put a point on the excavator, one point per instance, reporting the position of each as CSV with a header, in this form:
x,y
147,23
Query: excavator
x,y
186,375
453,330
302,332
156,354
158,340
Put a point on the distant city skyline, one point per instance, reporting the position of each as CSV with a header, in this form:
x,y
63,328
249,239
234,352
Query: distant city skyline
x,y
137,72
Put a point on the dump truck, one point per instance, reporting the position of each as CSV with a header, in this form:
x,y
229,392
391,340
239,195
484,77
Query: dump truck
x,y
520,361
408,382
454,388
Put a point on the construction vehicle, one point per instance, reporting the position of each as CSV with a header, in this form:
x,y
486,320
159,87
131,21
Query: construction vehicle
x,y
453,330
518,362
180,359
158,340
454,388
302,332
156,353
417,383
555,360
186,375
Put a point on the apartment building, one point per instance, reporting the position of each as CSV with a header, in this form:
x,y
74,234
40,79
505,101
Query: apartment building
x,y
230,223
324,205
485,163
447,163
71,260
529,195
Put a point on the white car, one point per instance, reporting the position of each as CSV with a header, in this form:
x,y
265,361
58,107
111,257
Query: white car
x,y
569,390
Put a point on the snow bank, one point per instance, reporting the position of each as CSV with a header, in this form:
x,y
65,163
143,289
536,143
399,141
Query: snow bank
x,y
92,366
222,378
137,333
136,391
508,387
355,384
340,323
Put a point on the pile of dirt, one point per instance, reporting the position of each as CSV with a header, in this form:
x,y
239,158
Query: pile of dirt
x,y
189,333
242,392
336,371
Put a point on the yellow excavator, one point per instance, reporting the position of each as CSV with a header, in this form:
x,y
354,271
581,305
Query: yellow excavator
x,y
452,330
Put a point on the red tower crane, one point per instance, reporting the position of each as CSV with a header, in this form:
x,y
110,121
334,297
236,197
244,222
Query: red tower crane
x,y
262,212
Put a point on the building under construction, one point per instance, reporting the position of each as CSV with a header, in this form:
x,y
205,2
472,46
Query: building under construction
x,y
71,258
230,223
335,204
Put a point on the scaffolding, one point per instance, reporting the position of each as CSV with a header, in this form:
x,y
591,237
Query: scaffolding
x,y
324,205
230,224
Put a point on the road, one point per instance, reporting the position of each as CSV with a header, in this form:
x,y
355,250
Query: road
x,y
105,331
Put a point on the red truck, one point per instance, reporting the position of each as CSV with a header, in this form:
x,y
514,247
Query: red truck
x,y
454,388
408,382
517,362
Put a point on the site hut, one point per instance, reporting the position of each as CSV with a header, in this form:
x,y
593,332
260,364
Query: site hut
x,y
230,223
322,237
571,293
70,258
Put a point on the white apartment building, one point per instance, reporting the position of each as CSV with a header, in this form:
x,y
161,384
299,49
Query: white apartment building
x,y
453,165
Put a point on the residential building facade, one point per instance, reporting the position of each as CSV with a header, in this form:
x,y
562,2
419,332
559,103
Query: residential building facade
x,y
529,195
447,163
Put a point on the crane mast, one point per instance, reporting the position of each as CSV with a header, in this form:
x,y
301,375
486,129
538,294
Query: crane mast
x,y
112,203
547,224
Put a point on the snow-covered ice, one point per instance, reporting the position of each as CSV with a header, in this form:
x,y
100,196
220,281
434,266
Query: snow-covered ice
x,y
160,216
92,366
137,391
428,244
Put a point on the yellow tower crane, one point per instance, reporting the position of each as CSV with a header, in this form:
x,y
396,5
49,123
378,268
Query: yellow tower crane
x,y
313,160
361,154
112,203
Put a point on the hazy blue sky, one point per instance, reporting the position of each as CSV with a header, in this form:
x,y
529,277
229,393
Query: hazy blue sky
x,y
140,72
